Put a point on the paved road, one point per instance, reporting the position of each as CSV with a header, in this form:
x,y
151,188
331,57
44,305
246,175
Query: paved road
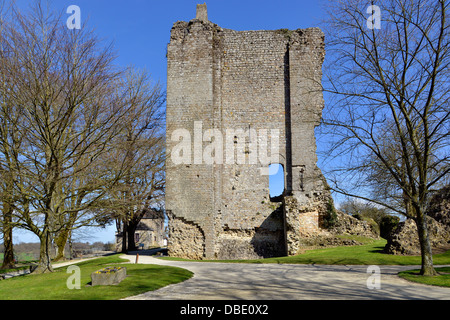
x,y
230,281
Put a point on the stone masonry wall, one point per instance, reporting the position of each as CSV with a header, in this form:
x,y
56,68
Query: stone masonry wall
x,y
187,239
254,81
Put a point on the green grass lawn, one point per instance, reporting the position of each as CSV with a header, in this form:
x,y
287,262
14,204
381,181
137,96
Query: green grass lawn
x,y
52,286
367,254
442,279
22,257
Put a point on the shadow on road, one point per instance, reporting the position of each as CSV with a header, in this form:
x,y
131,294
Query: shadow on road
x,y
150,252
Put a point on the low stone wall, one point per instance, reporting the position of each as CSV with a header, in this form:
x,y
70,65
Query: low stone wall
x,y
15,273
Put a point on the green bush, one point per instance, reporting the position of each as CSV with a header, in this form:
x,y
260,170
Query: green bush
x,y
387,225
330,218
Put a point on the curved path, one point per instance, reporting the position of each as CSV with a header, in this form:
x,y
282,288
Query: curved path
x,y
230,281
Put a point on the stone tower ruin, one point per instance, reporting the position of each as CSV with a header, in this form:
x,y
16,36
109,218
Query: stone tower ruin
x,y
238,101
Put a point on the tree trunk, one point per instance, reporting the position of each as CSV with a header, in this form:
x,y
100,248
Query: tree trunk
x,y
131,241
124,237
8,257
45,263
425,246
70,246
60,241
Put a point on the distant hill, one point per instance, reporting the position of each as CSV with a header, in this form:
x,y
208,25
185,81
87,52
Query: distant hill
x,y
30,250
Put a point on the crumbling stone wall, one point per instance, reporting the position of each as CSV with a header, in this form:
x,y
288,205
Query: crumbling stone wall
x,y
187,239
404,240
257,81
303,221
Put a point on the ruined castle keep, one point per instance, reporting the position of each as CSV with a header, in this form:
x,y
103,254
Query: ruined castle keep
x,y
234,99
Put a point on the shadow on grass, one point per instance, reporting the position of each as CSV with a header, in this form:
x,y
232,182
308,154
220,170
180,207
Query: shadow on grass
x,y
378,250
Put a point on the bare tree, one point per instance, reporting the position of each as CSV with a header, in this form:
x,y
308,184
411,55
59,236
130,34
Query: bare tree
x,y
141,144
64,85
10,141
389,94
362,209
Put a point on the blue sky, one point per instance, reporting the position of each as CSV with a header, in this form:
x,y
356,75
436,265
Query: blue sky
x,y
140,31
